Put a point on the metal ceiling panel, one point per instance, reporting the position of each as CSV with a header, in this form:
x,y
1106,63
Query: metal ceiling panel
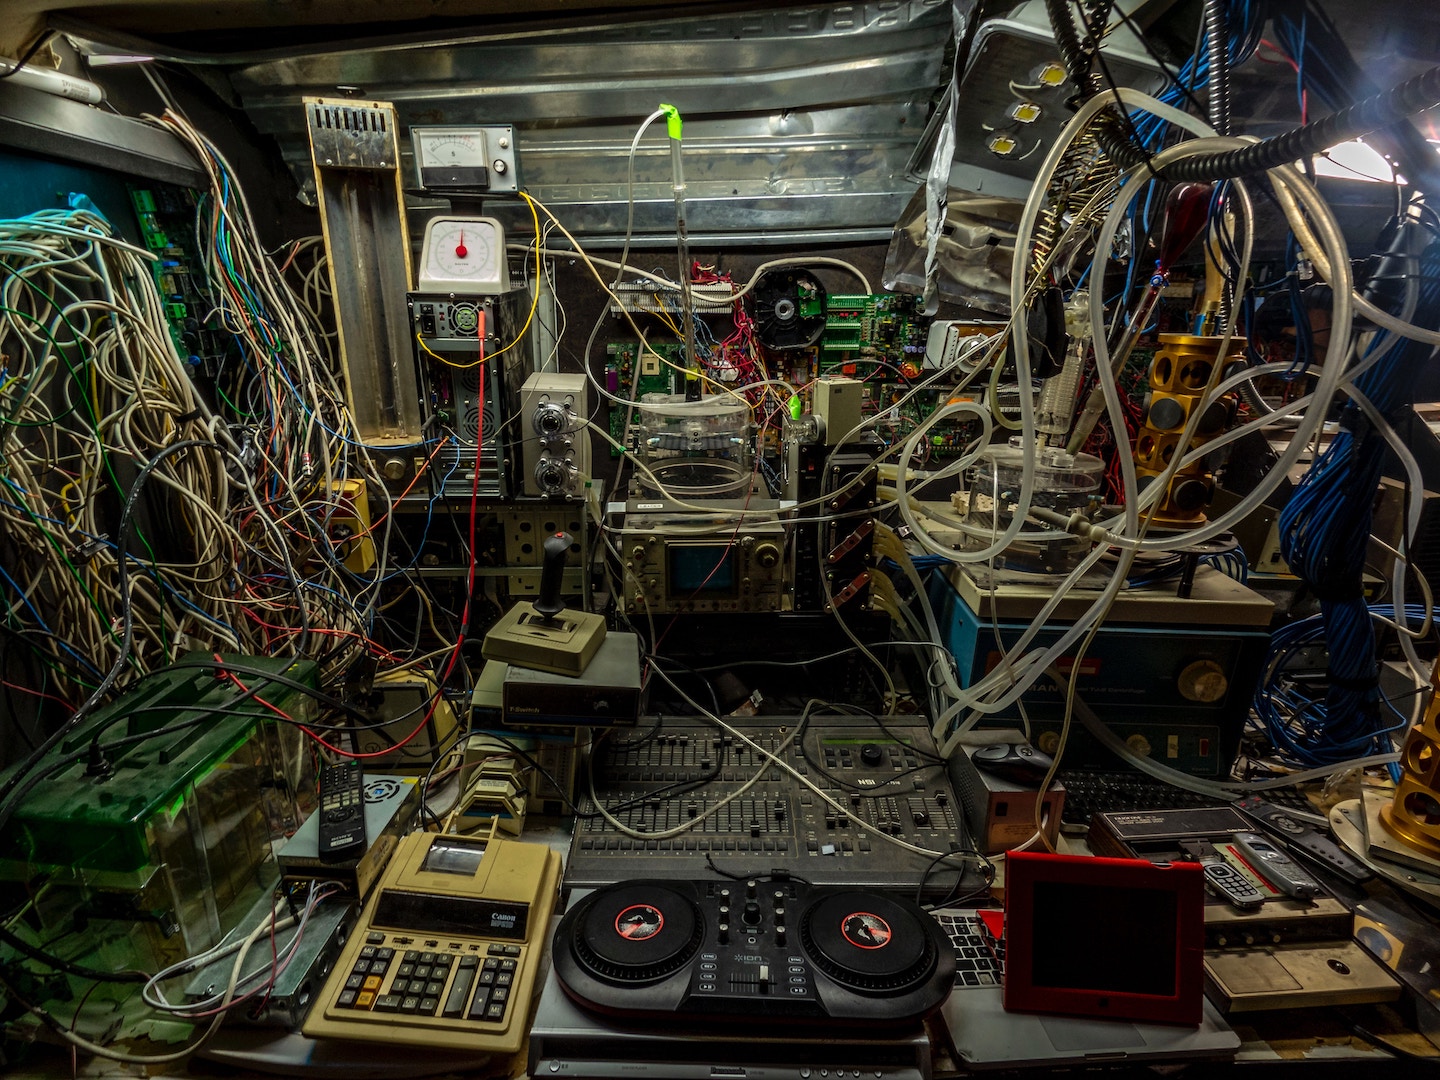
x,y
797,120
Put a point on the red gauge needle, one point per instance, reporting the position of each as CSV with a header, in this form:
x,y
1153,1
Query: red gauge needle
x,y
460,249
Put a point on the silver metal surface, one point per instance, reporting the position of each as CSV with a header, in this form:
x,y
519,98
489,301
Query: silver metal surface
x,y
795,119
351,137
45,124
362,215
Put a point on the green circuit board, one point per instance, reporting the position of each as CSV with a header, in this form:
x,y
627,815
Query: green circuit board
x,y
655,378
871,326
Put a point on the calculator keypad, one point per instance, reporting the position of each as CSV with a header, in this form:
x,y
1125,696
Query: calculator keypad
x,y
452,980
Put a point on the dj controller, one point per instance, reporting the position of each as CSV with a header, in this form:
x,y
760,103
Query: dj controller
x,y
680,791
768,951
759,978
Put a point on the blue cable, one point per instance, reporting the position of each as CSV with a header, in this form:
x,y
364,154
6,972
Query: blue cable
x,y
1324,532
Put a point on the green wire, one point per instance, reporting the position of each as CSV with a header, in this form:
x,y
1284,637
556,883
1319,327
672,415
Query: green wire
x,y
74,570
100,440
51,338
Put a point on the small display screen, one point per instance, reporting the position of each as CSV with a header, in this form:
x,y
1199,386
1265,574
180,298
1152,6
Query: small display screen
x,y
1117,940
449,856
701,568
438,913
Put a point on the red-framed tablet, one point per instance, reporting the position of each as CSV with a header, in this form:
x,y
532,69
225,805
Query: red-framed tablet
x,y
1119,938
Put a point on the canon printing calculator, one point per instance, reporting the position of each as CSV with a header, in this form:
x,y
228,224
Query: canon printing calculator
x,y
446,951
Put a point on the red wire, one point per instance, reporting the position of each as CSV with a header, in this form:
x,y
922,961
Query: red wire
x,y
37,693
224,674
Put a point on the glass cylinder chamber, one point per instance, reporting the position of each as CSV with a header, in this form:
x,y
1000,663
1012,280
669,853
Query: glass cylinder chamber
x,y
693,449
1063,482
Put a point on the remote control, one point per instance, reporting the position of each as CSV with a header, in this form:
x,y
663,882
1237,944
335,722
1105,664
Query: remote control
x,y
1301,838
1222,879
342,811
1276,867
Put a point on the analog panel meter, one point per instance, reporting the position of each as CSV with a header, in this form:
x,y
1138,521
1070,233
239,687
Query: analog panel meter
x,y
458,159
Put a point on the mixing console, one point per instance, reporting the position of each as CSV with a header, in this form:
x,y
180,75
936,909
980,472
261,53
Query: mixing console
x,y
887,780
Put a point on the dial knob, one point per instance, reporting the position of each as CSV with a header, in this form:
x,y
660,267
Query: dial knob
x,y
767,555
1203,681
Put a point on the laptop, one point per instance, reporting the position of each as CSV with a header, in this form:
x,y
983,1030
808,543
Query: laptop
x,y
984,1035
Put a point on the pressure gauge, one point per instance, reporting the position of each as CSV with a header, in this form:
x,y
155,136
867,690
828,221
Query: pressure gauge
x,y
464,254
473,158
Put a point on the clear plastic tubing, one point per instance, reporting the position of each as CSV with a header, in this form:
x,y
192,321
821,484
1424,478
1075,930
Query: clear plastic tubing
x,y
682,235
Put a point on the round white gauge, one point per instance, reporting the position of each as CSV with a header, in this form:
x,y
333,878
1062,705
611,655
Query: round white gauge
x,y
464,254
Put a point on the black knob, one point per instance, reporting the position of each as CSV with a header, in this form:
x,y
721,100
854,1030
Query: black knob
x,y
750,887
751,914
871,754
552,572
779,935
722,933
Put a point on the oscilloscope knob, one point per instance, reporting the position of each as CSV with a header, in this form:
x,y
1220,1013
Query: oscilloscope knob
x,y
767,555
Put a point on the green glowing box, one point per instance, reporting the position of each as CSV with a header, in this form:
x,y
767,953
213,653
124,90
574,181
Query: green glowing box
x,y
152,854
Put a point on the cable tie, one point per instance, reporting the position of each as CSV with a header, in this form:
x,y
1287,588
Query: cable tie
x,y
88,550
193,414
1354,420
1362,683
1338,592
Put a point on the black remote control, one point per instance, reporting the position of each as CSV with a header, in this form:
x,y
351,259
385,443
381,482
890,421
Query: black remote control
x,y
342,811
1301,838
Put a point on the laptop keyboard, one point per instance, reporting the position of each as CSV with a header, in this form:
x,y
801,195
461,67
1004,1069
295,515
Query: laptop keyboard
x,y
1088,793
979,956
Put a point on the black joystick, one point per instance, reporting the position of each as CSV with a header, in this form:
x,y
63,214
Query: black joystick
x,y
552,575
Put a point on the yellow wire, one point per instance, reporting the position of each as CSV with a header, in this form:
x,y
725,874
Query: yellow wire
x,y
534,303
664,317
719,386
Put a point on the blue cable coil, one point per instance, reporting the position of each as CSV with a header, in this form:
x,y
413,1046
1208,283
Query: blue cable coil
x,y
1324,533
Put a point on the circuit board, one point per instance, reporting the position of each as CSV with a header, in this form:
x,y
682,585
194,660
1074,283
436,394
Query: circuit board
x,y
166,216
876,337
655,378
875,327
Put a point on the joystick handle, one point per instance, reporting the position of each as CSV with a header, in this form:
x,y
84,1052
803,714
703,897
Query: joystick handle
x,y
552,572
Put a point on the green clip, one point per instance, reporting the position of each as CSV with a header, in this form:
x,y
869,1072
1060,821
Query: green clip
x,y
672,121
795,406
